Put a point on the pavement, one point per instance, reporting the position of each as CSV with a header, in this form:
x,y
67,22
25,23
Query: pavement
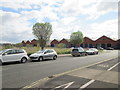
x,y
102,75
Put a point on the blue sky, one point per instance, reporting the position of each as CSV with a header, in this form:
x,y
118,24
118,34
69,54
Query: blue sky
x,y
93,18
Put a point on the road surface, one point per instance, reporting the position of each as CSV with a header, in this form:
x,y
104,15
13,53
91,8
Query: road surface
x,y
19,75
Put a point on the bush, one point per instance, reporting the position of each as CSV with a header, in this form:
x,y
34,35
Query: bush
x,y
61,45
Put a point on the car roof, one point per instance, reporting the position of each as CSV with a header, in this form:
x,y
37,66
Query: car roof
x,y
13,49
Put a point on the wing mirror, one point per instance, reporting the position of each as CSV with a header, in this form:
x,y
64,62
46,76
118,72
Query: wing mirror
x,y
4,54
45,52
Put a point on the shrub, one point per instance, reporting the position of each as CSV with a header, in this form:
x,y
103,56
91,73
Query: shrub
x,y
61,45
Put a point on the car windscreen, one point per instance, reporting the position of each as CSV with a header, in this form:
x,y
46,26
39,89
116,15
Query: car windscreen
x,y
2,51
41,51
74,50
81,49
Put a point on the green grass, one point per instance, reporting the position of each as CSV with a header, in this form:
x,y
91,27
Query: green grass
x,y
31,50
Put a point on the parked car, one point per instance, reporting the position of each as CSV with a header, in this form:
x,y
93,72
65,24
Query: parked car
x,y
92,51
78,52
44,54
12,55
100,48
110,48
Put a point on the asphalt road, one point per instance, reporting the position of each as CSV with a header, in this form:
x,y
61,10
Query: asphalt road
x,y
19,75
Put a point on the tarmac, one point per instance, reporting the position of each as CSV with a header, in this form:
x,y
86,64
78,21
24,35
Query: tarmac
x,y
101,75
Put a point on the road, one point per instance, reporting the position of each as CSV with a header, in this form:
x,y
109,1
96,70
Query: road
x,y
20,75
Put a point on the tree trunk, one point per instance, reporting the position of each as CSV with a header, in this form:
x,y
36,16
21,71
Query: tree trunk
x,y
42,48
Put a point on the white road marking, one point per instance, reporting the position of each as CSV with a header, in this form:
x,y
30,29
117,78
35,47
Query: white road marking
x,y
113,67
102,65
67,85
87,84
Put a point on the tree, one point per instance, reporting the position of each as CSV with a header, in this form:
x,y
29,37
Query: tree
x,y
42,31
76,38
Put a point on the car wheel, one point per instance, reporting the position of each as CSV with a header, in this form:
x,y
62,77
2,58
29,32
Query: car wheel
x,y
40,59
86,54
55,57
73,55
0,62
24,60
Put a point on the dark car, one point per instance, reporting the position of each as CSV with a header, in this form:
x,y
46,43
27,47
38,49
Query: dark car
x,y
79,52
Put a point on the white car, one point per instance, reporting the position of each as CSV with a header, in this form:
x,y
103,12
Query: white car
x,y
44,54
12,55
92,51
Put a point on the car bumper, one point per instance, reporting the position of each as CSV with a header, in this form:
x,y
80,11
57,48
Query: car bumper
x,y
33,58
90,53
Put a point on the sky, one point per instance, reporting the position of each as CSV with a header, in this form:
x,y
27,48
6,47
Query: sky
x,y
94,18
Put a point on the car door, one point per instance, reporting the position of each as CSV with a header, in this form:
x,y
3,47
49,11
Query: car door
x,y
8,56
18,54
47,54
51,55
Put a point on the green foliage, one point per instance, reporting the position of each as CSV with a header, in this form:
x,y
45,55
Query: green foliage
x,y
7,46
76,38
31,50
61,45
42,32
18,45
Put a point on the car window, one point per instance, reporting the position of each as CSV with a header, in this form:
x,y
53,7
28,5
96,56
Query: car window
x,y
75,50
81,49
2,51
19,51
51,51
10,52
41,51
47,51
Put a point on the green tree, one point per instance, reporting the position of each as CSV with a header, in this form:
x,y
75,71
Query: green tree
x,y
76,38
42,32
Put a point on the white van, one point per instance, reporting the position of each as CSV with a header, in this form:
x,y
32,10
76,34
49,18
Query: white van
x,y
11,55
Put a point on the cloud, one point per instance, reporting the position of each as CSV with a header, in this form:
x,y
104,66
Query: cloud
x,y
108,28
93,8
14,27
65,16
16,4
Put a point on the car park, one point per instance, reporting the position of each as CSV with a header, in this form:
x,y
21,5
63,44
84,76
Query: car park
x,y
44,54
12,55
78,52
92,51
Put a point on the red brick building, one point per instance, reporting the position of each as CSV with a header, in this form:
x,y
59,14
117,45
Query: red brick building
x,y
54,43
28,43
87,42
32,43
103,42
23,43
66,42
118,44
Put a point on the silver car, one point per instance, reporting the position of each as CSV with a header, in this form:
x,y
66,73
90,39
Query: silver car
x,y
92,51
11,55
44,54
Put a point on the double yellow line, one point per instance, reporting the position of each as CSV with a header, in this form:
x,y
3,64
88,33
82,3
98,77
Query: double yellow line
x,y
56,75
